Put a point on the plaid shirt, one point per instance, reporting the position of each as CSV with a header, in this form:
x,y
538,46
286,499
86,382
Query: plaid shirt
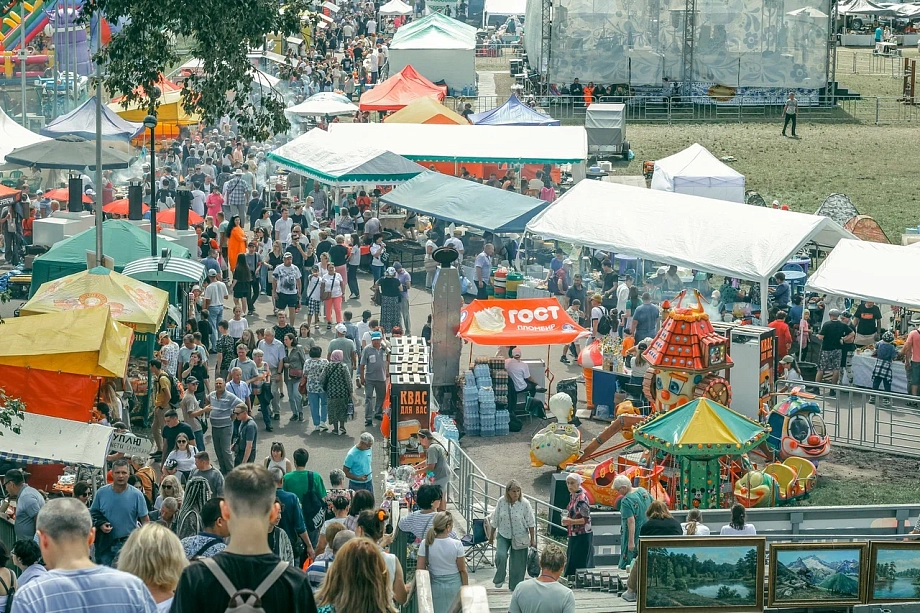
x,y
236,192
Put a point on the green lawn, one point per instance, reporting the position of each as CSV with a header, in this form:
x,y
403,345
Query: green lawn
x,y
873,165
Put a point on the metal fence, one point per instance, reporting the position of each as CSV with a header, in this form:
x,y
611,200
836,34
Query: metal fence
x,y
656,109
868,63
890,423
475,495
496,56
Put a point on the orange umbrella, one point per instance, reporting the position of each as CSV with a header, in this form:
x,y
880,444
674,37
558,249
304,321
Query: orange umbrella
x,y
63,194
120,207
168,216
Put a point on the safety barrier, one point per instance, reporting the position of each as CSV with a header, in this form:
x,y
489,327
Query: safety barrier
x,y
888,425
869,63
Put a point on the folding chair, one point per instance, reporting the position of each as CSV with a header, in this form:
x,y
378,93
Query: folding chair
x,y
478,550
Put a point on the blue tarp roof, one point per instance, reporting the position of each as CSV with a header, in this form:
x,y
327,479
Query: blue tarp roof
x,y
82,122
466,202
513,113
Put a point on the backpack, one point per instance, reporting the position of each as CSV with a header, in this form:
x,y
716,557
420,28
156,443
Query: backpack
x,y
174,394
314,507
246,600
605,324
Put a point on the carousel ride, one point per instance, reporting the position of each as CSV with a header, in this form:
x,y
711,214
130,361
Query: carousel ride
x,y
687,448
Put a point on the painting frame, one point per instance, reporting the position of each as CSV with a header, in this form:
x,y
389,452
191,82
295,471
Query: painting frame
x,y
863,576
874,548
694,545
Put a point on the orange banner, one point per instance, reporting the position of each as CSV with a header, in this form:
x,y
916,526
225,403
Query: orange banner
x,y
55,394
527,321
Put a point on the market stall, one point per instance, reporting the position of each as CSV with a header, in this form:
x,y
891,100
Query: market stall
x,y
697,172
714,236
123,241
132,303
323,104
176,276
73,350
513,113
398,91
441,52
82,122
426,110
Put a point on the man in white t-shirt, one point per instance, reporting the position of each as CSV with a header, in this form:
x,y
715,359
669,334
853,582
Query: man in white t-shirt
x,y
214,295
598,312
287,286
374,65
198,197
283,228
623,292
455,242
521,380
371,26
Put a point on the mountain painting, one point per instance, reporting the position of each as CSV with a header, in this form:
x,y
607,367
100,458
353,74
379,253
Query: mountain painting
x,y
816,573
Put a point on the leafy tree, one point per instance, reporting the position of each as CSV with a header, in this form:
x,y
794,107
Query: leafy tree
x,y
680,585
726,593
11,413
220,34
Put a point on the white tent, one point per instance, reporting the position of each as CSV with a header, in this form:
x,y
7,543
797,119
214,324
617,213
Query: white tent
x,y
495,144
439,51
323,103
52,440
887,274
504,8
395,7
715,236
697,172
13,136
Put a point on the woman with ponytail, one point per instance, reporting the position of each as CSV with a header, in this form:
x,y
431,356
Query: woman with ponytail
x,y
372,524
694,525
445,560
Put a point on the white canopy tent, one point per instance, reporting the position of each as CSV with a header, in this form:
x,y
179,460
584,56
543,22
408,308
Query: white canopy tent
x,y
505,8
14,136
395,7
886,274
439,52
52,440
323,103
715,236
697,172
496,144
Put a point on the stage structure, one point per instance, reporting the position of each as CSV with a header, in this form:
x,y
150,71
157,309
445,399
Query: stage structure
x,y
720,51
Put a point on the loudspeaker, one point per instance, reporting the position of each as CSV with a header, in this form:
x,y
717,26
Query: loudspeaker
x,y
136,201
183,204
75,194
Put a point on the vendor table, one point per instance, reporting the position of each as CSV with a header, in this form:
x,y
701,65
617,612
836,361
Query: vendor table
x,y
604,386
863,365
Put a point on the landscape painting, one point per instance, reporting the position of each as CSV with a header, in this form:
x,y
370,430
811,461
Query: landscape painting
x,y
817,574
699,574
894,571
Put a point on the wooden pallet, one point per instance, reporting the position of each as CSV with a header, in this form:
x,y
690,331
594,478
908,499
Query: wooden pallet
x,y
585,602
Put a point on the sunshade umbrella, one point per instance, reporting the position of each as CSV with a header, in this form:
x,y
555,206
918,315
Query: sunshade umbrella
x,y
131,302
168,216
120,207
324,103
69,152
63,194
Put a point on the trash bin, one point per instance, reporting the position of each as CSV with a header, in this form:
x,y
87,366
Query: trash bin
x,y
570,387
809,370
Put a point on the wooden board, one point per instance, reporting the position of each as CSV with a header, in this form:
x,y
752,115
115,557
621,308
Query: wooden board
x,y
585,602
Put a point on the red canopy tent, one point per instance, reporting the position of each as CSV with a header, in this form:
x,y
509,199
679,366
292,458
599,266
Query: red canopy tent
x,y
399,90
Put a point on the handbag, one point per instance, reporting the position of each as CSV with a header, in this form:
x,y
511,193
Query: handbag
x,y
296,373
533,562
203,422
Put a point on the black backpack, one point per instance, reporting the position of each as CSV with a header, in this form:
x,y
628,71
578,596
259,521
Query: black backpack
x,y
314,507
10,592
174,394
605,324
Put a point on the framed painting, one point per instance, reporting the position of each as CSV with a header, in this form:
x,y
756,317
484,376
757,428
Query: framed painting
x,y
894,571
697,575
818,574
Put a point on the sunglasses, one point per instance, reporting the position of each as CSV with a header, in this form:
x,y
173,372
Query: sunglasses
x,y
182,441
167,487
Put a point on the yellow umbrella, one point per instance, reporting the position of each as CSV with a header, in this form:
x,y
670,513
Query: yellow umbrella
x,y
132,302
170,110
84,342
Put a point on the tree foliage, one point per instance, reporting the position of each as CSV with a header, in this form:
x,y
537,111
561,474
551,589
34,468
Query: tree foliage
x,y
220,34
11,413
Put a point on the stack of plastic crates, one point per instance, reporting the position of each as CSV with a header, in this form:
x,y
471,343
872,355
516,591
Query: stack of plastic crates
x,y
502,423
471,405
486,411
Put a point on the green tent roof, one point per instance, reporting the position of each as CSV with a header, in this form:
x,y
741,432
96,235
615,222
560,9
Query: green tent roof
x,y
121,240
701,428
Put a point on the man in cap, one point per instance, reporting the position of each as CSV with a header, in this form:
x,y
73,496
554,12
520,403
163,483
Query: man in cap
x,y
344,344
374,366
28,502
236,192
287,286
371,224
520,378
168,353
833,335
214,295
406,280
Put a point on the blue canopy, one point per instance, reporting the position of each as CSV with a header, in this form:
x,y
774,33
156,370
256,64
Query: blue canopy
x,y
82,122
513,113
466,202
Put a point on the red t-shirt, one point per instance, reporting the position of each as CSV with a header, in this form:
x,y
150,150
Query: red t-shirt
x,y
783,337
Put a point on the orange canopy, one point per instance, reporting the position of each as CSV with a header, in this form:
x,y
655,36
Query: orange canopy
x,y
526,321
399,90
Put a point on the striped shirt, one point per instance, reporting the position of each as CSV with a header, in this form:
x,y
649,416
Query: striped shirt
x,y
98,588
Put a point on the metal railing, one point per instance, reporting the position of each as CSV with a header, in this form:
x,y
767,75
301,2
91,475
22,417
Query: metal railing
x,y
700,109
475,495
868,63
889,425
